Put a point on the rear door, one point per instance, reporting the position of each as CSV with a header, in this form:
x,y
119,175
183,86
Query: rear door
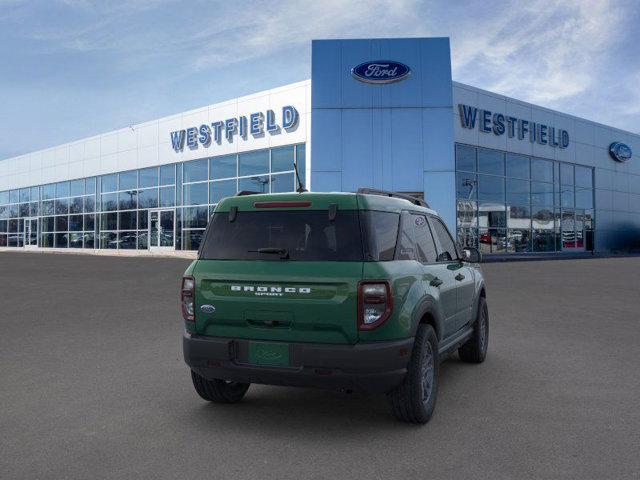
x,y
280,275
438,279
463,278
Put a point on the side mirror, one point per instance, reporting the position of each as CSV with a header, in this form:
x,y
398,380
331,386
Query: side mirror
x,y
471,255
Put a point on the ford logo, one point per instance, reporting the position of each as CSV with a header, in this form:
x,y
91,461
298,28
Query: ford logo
x,y
620,151
380,71
208,308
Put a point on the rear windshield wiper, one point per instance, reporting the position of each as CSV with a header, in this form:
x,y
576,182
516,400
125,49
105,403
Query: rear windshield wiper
x,y
283,252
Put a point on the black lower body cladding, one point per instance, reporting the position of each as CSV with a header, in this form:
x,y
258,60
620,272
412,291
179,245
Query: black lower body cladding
x,y
367,367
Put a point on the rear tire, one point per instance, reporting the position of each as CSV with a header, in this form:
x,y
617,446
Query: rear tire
x,y
414,401
475,349
219,391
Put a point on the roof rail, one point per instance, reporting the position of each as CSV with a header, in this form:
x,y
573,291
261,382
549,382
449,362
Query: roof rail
x,y
246,192
385,193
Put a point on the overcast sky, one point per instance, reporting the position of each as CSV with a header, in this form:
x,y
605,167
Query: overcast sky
x,y
74,68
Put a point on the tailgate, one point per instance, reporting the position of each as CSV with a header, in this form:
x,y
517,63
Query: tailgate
x,y
290,301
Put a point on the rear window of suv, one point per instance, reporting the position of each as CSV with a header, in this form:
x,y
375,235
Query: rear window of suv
x,y
307,235
303,235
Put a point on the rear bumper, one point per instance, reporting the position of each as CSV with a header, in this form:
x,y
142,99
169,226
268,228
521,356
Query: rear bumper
x,y
368,367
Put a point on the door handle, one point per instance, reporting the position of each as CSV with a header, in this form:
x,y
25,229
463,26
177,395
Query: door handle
x,y
436,282
459,277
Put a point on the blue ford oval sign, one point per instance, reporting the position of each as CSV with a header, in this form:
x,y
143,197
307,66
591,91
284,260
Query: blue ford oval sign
x,y
620,151
380,71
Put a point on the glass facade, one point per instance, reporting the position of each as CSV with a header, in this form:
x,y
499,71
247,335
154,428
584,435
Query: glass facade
x,y
510,203
167,206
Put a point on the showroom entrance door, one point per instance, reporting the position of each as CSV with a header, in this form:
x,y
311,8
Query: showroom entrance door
x,y
30,232
162,229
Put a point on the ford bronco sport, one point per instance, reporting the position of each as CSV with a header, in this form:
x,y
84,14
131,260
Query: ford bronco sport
x,y
356,291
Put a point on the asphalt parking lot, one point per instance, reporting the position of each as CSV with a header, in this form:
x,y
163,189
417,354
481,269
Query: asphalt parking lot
x,y
93,385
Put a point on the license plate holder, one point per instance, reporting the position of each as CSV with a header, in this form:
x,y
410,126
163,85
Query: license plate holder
x,y
269,354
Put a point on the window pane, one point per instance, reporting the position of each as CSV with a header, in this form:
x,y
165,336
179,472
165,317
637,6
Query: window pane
x,y
192,239
584,177
75,240
544,240
108,240
167,195
148,198
492,215
76,205
90,185
4,198
143,219
424,241
252,163
168,175
517,191
305,235
447,249
224,167
566,194
220,190
517,166
109,221
195,170
584,197
62,206
127,200
196,217
48,192
406,248
128,240
62,223
542,218
62,240
541,170
76,187
62,189
465,158
89,204
568,225
491,188
75,223
466,186
519,217
566,174
89,222
128,180
48,224
258,184
89,240
148,177
196,194
518,241
24,195
541,193
109,183
109,201
282,183
128,220
490,161
492,240
282,159
301,160
46,240
143,239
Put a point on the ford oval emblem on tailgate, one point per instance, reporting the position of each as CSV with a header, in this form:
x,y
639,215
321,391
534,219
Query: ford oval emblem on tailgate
x,y
208,308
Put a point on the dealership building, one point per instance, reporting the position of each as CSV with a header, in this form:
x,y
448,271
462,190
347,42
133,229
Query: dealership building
x,y
507,176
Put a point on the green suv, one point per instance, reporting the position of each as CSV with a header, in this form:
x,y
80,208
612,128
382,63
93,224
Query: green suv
x,y
355,291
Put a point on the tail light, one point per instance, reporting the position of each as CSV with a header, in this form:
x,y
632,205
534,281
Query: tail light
x,y
187,298
375,304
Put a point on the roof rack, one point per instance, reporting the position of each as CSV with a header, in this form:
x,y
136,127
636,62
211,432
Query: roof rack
x,y
246,192
385,193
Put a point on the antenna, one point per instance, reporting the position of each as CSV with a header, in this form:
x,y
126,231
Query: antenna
x,y
300,188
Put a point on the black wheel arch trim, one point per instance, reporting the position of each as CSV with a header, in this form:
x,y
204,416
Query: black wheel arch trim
x,y
427,306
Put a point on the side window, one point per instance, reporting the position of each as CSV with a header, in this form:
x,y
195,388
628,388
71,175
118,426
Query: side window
x,y
447,251
406,241
424,241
